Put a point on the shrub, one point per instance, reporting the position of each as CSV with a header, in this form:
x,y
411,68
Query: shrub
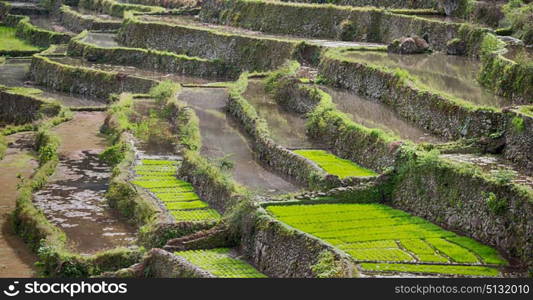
x,y
114,154
46,144
519,16
165,91
504,176
496,206
518,124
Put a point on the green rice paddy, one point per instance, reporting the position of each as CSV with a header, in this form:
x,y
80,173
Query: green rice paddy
x,y
9,42
335,165
375,233
219,263
432,269
178,196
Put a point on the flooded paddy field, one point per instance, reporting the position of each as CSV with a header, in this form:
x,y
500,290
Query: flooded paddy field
x,y
49,23
222,138
453,75
288,129
376,115
74,198
19,163
161,145
14,73
132,71
101,39
93,13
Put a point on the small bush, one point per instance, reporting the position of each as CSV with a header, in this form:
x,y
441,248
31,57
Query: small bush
x,y
519,16
113,155
518,124
46,144
164,91
504,176
496,206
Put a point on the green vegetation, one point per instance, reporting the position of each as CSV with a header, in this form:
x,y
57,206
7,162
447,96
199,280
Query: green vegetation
x,y
497,206
518,124
326,266
178,196
165,91
46,144
378,233
335,165
432,269
219,263
13,46
519,16
526,109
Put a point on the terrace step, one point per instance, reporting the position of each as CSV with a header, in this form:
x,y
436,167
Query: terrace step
x,y
14,73
376,236
221,263
177,196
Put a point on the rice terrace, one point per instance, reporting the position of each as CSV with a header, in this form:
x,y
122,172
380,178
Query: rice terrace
x,y
266,138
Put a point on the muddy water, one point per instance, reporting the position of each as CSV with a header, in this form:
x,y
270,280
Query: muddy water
x,y
13,73
133,71
453,75
88,12
74,198
492,164
154,146
221,137
16,260
287,129
106,40
195,22
376,115
49,23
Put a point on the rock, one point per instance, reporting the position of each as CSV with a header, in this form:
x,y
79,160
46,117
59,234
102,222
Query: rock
x,y
453,7
456,47
408,45
511,40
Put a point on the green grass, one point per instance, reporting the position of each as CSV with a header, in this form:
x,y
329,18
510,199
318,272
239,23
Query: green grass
x,y
178,196
433,269
378,233
9,42
335,165
526,109
219,263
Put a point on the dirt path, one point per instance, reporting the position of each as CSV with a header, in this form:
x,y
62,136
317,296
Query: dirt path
x,y
16,260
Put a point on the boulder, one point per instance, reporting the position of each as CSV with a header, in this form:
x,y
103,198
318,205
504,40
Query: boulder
x,y
408,45
456,47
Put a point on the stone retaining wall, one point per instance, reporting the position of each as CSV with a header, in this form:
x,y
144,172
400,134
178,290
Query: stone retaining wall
x,y
436,113
160,61
85,81
280,251
77,22
246,52
332,22
461,199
